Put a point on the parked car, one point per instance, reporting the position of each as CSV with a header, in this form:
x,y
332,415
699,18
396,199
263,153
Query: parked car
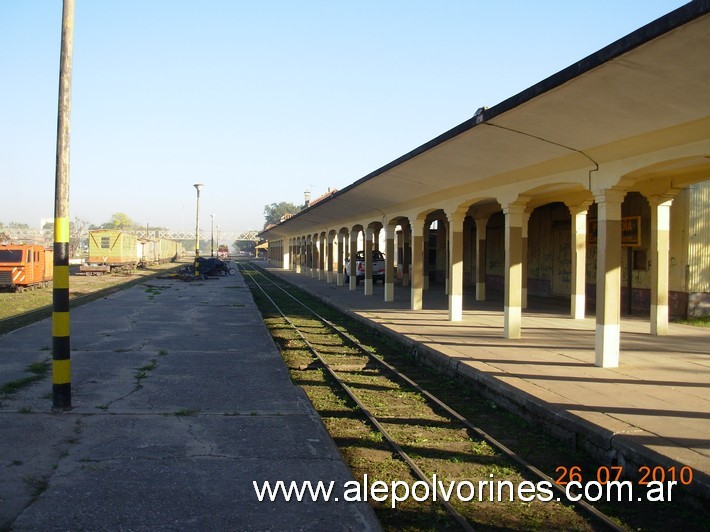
x,y
378,267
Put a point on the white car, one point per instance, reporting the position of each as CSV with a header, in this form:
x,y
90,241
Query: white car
x,y
378,267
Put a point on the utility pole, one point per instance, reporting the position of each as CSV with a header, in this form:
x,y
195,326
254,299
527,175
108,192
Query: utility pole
x,y
61,364
198,187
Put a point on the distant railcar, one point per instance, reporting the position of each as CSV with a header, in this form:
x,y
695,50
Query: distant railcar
x,y
25,266
147,250
111,250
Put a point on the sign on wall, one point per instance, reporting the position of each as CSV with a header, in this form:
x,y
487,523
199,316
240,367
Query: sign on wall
x,y
630,231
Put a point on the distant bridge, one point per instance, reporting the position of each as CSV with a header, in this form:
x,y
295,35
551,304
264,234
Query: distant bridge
x,y
46,236
222,236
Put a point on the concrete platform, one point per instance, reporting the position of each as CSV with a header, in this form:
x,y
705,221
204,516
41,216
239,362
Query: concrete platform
x,y
180,401
654,409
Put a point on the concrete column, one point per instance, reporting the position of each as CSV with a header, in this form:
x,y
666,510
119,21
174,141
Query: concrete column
x,y
578,281
304,257
442,250
418,262
368,261
389,263
513,270
406,253
468,251
353,252
447,262
312,256
608,329
310,253
455,269
524,258
481,224
329,277
287,256
425,259
660,251
321,257
340,277
307,257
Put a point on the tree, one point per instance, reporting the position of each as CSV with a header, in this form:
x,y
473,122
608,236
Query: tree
x,y
274,212
119,220
247,246
78,233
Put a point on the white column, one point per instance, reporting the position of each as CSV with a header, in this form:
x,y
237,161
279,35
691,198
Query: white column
x,y
406,253
578,284
340,278
524,262
321,257
417,269
513,270
353,253
455,261
481,224
287,255
660,252
368,261
389,262
329,278
608,330
425,258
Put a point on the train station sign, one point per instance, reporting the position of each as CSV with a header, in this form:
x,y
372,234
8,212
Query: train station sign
x,y
630,231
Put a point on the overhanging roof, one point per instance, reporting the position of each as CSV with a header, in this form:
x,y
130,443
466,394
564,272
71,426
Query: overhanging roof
x,y
654,80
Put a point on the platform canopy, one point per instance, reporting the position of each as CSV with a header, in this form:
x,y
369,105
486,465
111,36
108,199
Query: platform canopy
x,y
648,89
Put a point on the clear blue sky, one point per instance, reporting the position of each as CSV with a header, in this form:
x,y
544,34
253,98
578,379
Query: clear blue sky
x,y
261,100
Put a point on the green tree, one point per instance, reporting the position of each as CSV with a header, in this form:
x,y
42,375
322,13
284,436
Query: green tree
x,y
274,212
119,220
248,246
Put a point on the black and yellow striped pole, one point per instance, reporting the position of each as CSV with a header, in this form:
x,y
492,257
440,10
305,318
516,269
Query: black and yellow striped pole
x,y
61,373
198,186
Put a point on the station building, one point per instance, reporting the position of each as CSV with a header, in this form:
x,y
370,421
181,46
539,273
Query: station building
x,y
592,185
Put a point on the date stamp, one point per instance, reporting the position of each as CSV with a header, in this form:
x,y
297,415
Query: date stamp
x,y
654,484
606,474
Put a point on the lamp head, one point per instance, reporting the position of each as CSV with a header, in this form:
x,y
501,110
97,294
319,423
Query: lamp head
x,y
198,186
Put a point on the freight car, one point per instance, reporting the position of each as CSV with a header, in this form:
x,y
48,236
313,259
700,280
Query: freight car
x,y
113,250
158,251
25,266
110,251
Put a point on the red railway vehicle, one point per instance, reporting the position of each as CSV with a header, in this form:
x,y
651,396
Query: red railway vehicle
x,y
24,266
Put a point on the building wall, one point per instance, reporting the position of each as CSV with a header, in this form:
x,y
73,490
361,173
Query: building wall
x,y
549,254
699,249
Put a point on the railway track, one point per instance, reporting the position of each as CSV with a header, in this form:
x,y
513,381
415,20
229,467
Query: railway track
x,y
425,433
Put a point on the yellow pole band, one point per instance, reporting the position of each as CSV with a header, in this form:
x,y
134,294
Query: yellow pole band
x,y
60,324
61,371
61,230
61,277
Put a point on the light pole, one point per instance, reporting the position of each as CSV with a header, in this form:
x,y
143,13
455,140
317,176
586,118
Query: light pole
x,y
212,236
197,186
218,239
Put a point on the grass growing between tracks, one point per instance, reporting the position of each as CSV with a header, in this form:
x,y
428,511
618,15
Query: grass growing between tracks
x,y
436,444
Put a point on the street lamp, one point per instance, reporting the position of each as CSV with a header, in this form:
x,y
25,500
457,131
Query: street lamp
x,y
212,236
197,186
218,239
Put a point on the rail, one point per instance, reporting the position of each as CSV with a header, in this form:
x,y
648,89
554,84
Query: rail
x,y
582,505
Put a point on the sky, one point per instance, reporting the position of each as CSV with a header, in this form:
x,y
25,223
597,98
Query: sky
x,y
262,100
